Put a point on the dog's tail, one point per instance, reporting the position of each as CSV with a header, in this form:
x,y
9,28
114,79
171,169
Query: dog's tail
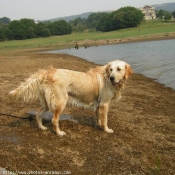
x,y
30,90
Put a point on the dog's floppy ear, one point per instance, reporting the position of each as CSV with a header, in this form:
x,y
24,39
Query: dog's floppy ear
x,y
107,70
128,71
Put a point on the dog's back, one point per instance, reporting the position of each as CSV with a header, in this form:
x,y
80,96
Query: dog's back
x,y
82,88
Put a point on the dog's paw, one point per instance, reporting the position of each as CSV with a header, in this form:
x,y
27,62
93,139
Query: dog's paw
x,y
43,128
61,133
109,130
99,123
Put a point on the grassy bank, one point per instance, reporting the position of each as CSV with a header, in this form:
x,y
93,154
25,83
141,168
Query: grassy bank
x,y
150,29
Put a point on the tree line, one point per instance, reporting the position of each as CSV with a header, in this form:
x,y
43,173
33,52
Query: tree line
x,y
27,29
124,17
162,14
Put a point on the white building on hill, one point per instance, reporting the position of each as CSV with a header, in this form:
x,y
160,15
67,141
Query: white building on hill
x,y
149,12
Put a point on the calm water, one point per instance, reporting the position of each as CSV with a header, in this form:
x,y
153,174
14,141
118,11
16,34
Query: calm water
x,y
154,59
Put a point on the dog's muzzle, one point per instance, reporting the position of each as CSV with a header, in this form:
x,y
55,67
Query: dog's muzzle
x,y
112,79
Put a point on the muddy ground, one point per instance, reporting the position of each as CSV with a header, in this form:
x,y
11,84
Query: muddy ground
x,y
143,121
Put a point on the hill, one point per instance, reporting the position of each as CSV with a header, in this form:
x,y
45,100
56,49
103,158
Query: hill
x,y
166,6
68,18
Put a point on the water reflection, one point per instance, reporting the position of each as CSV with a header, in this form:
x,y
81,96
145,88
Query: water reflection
x,y
11,138
48,116
84,120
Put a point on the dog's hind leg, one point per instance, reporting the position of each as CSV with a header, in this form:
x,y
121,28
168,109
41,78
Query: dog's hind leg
x,y
59,107
40,113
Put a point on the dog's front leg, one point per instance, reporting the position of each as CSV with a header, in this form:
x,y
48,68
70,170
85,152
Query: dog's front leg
x,y
103,115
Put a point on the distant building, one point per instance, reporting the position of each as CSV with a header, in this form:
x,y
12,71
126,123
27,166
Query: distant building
x,y
149,12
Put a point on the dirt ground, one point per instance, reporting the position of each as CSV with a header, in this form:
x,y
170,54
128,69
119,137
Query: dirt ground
x,y
143,121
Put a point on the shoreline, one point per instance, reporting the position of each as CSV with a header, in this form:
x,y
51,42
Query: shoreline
x,y
91,43
142,38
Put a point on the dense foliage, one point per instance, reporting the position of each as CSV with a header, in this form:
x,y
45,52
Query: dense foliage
x,y
27,28
167,17
173,14
91,22
94,18
60,27
162,13
78,24
4,20
123,18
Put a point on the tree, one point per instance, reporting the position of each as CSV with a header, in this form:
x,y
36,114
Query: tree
x,y
173,14
60,27
8,34
5,20
160,14
94,18
41,30
29,27
18,29
2,35
31,32
22,29
52,28
46,32
123,18
78,24
101,24
168,17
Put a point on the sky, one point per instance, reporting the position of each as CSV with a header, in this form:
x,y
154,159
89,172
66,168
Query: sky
x,y
49,9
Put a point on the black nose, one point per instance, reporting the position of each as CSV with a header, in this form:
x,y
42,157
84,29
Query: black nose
x,y
112,78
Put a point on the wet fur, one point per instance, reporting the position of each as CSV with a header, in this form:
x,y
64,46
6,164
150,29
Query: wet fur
x,y
57,87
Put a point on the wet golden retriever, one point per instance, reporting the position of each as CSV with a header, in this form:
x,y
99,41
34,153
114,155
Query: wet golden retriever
x,y
57,87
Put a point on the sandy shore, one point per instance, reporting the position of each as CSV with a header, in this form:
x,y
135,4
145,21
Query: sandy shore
x,y
143,122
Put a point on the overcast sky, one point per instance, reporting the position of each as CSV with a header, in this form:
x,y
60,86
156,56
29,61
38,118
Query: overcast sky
x,y
48,9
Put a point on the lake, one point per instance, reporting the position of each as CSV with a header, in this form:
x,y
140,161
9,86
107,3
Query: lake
x,y
154,59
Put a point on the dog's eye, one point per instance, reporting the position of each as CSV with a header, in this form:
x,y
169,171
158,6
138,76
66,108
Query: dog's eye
x,y
118,69
110,69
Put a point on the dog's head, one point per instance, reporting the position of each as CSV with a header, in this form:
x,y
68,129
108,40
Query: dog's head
x,y
118,71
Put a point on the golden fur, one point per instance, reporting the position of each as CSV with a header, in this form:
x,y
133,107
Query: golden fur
x,y
57,87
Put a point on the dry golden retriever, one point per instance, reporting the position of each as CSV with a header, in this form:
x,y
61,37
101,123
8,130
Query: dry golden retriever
x,y
57,87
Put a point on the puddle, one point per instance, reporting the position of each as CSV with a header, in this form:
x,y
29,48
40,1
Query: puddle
x,y
10,138
48,116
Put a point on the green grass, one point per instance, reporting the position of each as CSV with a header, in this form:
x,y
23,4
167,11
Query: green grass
x,y
146,28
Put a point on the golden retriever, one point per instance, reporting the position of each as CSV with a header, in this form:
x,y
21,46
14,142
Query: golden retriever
x,y
57,87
